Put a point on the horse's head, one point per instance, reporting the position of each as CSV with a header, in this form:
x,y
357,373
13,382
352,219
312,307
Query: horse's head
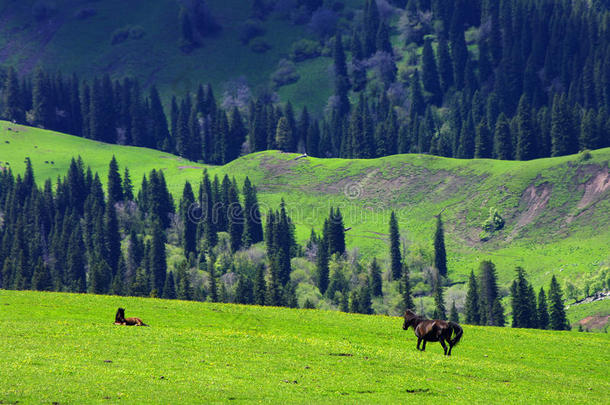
x,y
409,318
120,315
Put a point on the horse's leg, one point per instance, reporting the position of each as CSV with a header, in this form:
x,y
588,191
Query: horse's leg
x,y
443,344
424,346
450,347
418,342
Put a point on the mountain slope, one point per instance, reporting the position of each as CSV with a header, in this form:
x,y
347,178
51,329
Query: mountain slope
x,y
64,348
556,211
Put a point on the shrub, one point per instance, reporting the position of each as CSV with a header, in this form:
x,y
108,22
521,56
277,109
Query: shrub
x,y
304,49
584,155
286,73
136,32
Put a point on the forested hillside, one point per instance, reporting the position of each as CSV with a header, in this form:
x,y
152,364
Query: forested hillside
x,y
355,235
507,80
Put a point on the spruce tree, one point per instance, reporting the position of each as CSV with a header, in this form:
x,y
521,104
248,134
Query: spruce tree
x,y
543,312
364,300
169,289
488,294
157,258
253,229
336,236
472,301
439,302
189,236
395,255
342,84
454,316
563,133
375,276
502,141
430,77
557,313
127,186
405,286
445,65
213,285
283,135
440,255
526,141
322,263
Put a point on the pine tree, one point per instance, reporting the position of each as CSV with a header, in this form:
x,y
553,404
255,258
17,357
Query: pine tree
x,y
322,263
13,107
523,304
439,303
375,275
488,294
430,77
526,142
336,235
498,313
283,135
41,279
440,255
482,143
472,301
502,140
253,229
454,316
342,84
169,289
115,190
189,236
365,305
395,255
445,65
127,186
563,134
557,314
158,261
407,299
112,238
543,313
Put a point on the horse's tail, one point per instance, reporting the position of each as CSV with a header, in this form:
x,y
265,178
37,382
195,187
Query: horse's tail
x,y
457,329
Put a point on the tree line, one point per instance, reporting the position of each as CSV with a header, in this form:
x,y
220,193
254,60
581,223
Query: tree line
x,y
214,244
468,79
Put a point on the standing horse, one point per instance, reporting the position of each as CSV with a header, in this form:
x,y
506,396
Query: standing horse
x,y
433,330
119,319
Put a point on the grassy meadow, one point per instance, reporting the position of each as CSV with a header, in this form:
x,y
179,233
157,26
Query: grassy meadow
x,y
64,348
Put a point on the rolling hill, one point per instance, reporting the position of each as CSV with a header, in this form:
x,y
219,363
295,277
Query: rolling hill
x,y
64,348
556,211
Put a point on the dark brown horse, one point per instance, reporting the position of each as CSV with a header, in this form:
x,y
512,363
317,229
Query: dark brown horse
x,y
120,319
433,330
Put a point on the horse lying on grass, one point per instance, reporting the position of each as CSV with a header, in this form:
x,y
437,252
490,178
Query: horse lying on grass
x,y
120,319
433,330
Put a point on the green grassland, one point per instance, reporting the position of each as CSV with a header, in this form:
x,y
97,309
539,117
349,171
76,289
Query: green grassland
x,y
556,210
64,348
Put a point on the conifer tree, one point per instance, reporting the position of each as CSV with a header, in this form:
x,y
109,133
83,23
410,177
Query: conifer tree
x,y
502,140
439,302
190,227
440,255
283,134
454,316
526,142
157,258
482,143
543,313
169,289
115,189
405,286
563,134
112,238
375,275
336,233
322,262
557,314
430,77
364,300
342,84
213,286
488,294
445,65
127,186
395,255
472,301
253,229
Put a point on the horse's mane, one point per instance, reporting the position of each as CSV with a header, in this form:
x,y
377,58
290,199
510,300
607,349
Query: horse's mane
x,y
410,315
120,315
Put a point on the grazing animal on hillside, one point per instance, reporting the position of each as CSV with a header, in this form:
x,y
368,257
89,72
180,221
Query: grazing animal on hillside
x,y
433,330
120,319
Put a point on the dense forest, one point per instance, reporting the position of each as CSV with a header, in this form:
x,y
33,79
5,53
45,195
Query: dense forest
x,y
75,236
518,79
